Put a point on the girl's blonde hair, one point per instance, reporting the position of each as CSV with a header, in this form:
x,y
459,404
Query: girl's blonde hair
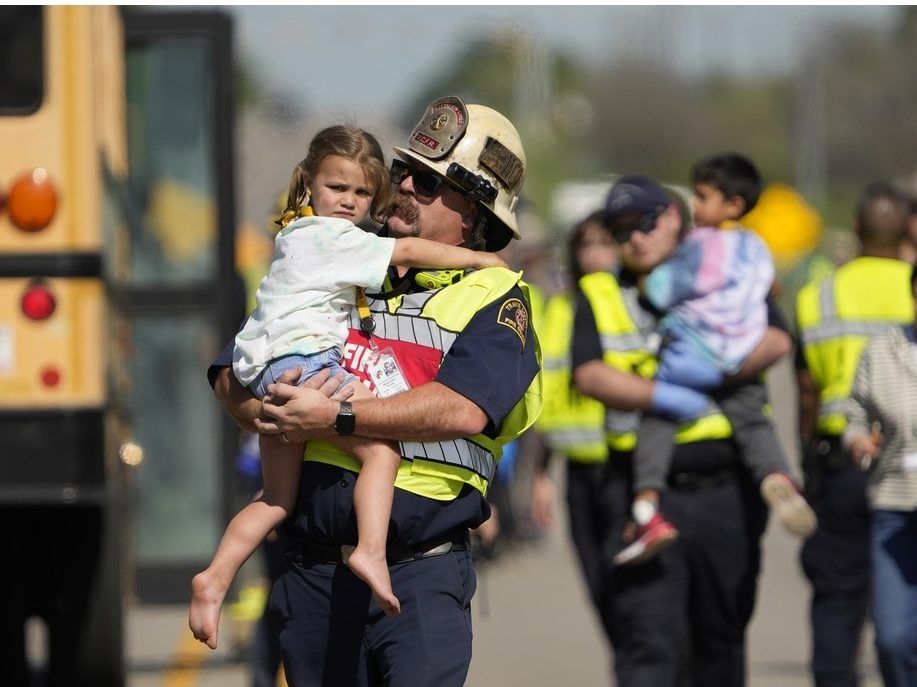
x,y
350,143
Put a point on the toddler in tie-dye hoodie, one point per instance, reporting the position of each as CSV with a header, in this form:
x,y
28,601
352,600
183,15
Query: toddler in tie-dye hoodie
x,y
713,292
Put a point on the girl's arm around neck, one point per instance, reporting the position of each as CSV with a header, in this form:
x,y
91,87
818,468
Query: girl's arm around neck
x,y
415,252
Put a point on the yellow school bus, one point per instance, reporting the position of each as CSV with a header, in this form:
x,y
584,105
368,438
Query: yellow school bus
x,y
116,223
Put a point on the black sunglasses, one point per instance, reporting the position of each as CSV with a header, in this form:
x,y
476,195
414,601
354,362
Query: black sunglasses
x,y
426,183
622,228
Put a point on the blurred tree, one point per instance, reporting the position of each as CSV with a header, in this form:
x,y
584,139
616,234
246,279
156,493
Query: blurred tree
x,y
871,97
651,120
854,90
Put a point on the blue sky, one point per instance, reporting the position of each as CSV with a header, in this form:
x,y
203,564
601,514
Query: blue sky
x,y
345,61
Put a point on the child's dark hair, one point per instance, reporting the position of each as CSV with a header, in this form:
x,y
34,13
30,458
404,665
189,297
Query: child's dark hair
x,y
350,143
732,175
575,240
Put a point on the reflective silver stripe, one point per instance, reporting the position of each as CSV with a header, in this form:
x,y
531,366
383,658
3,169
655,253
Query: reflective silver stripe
x,y
414,301
644,322
826,301
622,343
642,319
830,326
621,422
831,407
407,325
459,452
554,364
838,328
574,436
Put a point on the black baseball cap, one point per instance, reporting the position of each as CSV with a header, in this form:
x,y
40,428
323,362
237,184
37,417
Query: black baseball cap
x,y
635,195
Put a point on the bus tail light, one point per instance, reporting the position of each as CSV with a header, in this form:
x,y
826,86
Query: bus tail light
x,y
38,302
50,376
32,201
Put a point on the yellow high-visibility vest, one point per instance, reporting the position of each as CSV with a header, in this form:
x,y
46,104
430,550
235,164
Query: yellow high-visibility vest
x,y
625,330
434,319
571,423
837,316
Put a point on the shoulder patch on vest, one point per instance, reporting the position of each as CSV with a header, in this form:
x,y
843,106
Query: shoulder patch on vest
x,y
513,314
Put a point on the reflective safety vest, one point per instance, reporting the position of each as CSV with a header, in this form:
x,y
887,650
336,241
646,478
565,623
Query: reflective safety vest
x,y
627,331
571,423
420,328
838,315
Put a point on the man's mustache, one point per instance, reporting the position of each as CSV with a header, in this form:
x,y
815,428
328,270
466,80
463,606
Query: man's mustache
x,y
402,207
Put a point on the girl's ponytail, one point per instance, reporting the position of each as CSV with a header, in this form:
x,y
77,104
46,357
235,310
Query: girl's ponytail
x,y
297,196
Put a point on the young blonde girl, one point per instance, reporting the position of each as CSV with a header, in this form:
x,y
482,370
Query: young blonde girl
x,y
320,257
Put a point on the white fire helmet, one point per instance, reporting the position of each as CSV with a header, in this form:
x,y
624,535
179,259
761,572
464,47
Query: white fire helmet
x,y
478,150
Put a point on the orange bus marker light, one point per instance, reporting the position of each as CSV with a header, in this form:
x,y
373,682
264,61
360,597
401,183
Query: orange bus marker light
x,y
32,201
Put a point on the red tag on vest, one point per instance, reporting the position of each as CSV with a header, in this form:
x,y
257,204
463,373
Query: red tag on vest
x,y
419,364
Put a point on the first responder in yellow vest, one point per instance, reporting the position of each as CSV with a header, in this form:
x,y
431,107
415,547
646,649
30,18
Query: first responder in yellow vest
x,y
573,425
836,317
701,592
463,345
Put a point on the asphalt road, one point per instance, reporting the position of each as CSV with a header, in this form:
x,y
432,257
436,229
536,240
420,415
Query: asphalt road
x,y
533,625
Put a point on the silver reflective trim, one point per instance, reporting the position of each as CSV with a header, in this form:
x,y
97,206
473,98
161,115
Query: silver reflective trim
x,y
831,407
826,301
407,325
621,422
460,452
574,436
413,303
643,320
554,364
622,343
836,329
830,326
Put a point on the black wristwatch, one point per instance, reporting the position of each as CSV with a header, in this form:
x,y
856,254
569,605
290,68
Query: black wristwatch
x,y
346,421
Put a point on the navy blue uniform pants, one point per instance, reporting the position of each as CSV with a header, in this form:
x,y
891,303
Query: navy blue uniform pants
x,y
589,528
264,653
680,619
332,632
836,561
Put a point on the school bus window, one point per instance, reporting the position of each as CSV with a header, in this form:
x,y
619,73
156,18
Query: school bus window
x,y
21,62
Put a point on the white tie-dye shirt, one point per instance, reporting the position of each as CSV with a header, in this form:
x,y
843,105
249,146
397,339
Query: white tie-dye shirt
x,y
713,290
303,301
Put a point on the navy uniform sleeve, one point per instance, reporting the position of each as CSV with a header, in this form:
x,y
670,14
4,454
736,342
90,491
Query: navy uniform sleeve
x,y
224,359
586,345
492,362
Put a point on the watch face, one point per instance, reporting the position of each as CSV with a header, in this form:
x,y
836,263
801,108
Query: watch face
x,y
345,422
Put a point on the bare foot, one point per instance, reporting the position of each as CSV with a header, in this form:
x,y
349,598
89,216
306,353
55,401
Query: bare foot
x,y
206,602
373,570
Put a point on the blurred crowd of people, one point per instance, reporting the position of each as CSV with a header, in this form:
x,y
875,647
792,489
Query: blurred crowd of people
x,y
656,326
676,579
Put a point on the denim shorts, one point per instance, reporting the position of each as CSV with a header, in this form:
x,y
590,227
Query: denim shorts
x,y
311,365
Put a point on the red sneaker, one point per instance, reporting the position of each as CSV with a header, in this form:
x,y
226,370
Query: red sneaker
x,y
783,497
651,538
